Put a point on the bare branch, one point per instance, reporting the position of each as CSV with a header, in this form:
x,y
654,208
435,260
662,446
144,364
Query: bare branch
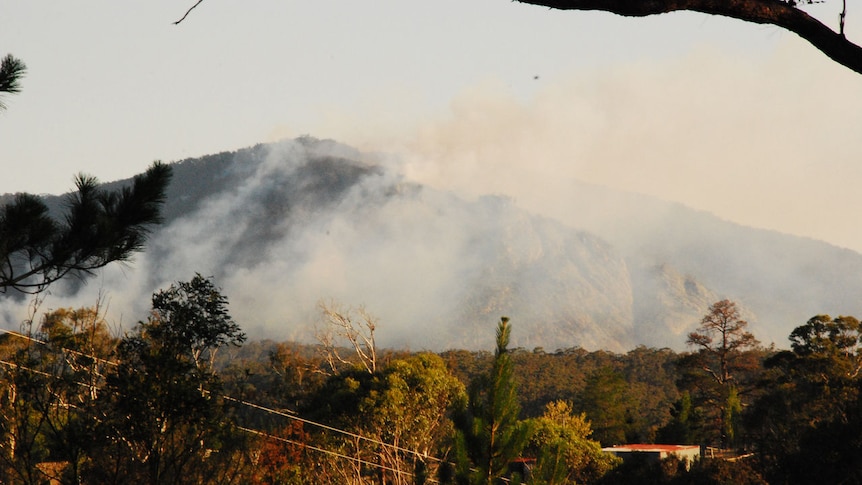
x,y
842,17
357,332
326,337
188,12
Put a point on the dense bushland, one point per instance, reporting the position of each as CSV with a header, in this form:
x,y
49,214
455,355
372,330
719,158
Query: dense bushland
x,y
183,398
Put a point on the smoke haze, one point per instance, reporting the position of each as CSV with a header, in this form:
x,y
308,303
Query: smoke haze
x,y
751,140
499,207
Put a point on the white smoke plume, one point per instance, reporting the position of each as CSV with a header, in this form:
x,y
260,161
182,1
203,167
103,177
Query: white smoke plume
x,y
723,135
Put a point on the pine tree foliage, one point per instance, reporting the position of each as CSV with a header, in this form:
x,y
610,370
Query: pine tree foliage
x,y
489,434
99,227
12,70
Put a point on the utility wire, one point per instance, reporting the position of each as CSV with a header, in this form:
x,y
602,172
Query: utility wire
x,y
287,414
42,342
292,415
262,433
329,452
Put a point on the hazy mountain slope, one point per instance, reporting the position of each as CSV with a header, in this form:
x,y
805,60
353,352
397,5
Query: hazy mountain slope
x,y
781,280
562,286
667,304
284,226
437,270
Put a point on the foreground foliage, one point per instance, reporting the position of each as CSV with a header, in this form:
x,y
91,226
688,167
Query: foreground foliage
x,y
98,227
180,400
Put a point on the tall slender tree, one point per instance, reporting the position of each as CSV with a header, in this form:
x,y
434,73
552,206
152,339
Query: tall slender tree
x,y
713,370
489,435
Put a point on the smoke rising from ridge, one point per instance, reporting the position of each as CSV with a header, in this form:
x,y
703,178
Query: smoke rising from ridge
x,y
763,152
302,224
747,139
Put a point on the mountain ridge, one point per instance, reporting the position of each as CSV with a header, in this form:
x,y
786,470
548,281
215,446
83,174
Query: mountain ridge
x,y
284,226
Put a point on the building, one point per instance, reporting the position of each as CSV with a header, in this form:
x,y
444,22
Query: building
x,y
685,453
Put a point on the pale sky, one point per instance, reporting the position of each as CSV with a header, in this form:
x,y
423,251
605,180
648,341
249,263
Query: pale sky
x,y
745,121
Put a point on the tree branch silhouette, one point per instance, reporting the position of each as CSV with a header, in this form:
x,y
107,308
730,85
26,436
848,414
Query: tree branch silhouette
x,y
784,14
781,13
188,12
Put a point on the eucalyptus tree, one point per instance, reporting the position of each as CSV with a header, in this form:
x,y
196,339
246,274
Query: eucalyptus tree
x,y
50,377
565,451
411,413
164,420
397,420
808,422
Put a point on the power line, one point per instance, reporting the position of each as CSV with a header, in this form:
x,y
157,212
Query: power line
x,y
296,417
19,366
287,414
42,342
328,452
271,436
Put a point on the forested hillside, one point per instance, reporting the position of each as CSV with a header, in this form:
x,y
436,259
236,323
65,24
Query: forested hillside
x,y
185,398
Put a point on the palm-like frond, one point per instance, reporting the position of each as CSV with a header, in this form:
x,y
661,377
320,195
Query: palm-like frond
x,y
99,227
12,70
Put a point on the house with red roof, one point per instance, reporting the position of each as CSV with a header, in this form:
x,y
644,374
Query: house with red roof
x,y
685,453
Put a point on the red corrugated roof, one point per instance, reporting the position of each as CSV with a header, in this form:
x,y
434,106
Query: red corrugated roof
x,y
653,448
